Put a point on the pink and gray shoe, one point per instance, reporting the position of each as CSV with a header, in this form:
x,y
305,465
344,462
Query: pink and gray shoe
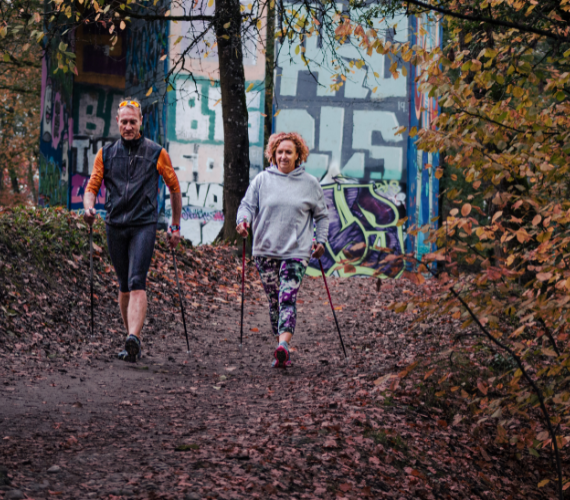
x,y
281,355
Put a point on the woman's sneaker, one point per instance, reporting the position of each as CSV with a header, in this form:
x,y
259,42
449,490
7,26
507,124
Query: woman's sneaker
x,y
132,350
281,355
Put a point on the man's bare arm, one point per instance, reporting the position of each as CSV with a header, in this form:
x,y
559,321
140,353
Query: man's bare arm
x,y
88,200
176,204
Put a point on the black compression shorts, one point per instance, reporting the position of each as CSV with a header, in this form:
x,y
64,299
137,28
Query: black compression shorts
x,y
131,250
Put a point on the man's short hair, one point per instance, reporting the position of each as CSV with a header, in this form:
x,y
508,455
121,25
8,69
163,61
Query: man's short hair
x,y
130,102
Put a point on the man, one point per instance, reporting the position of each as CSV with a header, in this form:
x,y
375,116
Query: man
x,y
131,168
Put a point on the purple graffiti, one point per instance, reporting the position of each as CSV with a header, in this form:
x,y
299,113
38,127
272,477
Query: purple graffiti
x,y
356,238
197,213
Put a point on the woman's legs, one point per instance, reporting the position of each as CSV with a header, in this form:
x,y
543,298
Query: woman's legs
x,y
281,280
269,275
291,273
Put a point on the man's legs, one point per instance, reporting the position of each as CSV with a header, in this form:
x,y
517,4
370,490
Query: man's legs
x,y
133,307
124,307
131,252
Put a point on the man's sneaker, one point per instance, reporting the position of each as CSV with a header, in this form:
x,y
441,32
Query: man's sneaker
x,y
132,350
281,355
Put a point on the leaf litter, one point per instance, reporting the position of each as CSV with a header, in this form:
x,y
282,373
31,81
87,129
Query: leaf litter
x,y
220,423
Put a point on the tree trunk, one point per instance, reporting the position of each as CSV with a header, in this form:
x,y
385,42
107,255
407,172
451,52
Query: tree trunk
x,y
14,180
269,74
234,111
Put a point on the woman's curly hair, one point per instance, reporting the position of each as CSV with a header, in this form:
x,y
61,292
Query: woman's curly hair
x,y
295,138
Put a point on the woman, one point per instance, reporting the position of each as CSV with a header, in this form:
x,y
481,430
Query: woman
x,y
282,204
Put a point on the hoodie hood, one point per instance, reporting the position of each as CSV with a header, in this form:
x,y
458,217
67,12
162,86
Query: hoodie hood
x,y
300,170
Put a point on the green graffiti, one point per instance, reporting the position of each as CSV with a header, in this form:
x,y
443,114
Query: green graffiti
x,y
52,188
364,222
195,114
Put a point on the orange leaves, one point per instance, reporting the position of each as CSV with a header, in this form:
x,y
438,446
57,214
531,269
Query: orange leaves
x,y
466,209
482,387
543,276
344,29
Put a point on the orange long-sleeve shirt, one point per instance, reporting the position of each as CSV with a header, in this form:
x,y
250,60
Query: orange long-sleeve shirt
x,y
164,167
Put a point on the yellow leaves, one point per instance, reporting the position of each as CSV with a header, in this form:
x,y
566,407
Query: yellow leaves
x,y
518,92
249,87
401,222
543,483
227,25
475,65
466,209
210,3
258,24
149,92
510,260
497,215
438,171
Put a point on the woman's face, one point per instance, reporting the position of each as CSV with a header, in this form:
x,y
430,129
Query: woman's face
x,y
286,156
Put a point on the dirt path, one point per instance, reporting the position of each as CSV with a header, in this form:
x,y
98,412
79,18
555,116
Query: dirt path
x,y
221,423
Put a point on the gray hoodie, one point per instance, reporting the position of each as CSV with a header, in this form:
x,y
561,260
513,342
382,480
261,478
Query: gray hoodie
x,y
281,209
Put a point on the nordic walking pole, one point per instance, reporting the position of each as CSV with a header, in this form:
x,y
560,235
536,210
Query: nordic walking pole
x,y
181,300
91,272
334,314
242,293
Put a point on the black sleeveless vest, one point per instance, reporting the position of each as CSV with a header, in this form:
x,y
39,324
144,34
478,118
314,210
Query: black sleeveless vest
x,y
131,182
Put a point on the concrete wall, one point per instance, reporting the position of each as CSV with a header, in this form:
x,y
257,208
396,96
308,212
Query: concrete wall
x,y
195,129
423,187
355,153
372,178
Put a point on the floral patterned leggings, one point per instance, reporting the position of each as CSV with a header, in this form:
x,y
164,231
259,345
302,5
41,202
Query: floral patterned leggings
x,y
281,281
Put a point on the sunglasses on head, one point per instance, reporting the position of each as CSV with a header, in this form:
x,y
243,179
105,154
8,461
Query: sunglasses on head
x,y
129,103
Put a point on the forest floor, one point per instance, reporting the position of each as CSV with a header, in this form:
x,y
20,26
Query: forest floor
x,y
220,423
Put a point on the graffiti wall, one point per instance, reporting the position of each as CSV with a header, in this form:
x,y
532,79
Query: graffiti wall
x,y
195,128
94,125
56,135
147,65
423,187
355,153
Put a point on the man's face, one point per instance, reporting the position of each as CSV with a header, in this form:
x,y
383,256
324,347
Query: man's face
x,y
129,120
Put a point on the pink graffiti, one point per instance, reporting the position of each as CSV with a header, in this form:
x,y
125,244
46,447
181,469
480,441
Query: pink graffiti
x,y
78,185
